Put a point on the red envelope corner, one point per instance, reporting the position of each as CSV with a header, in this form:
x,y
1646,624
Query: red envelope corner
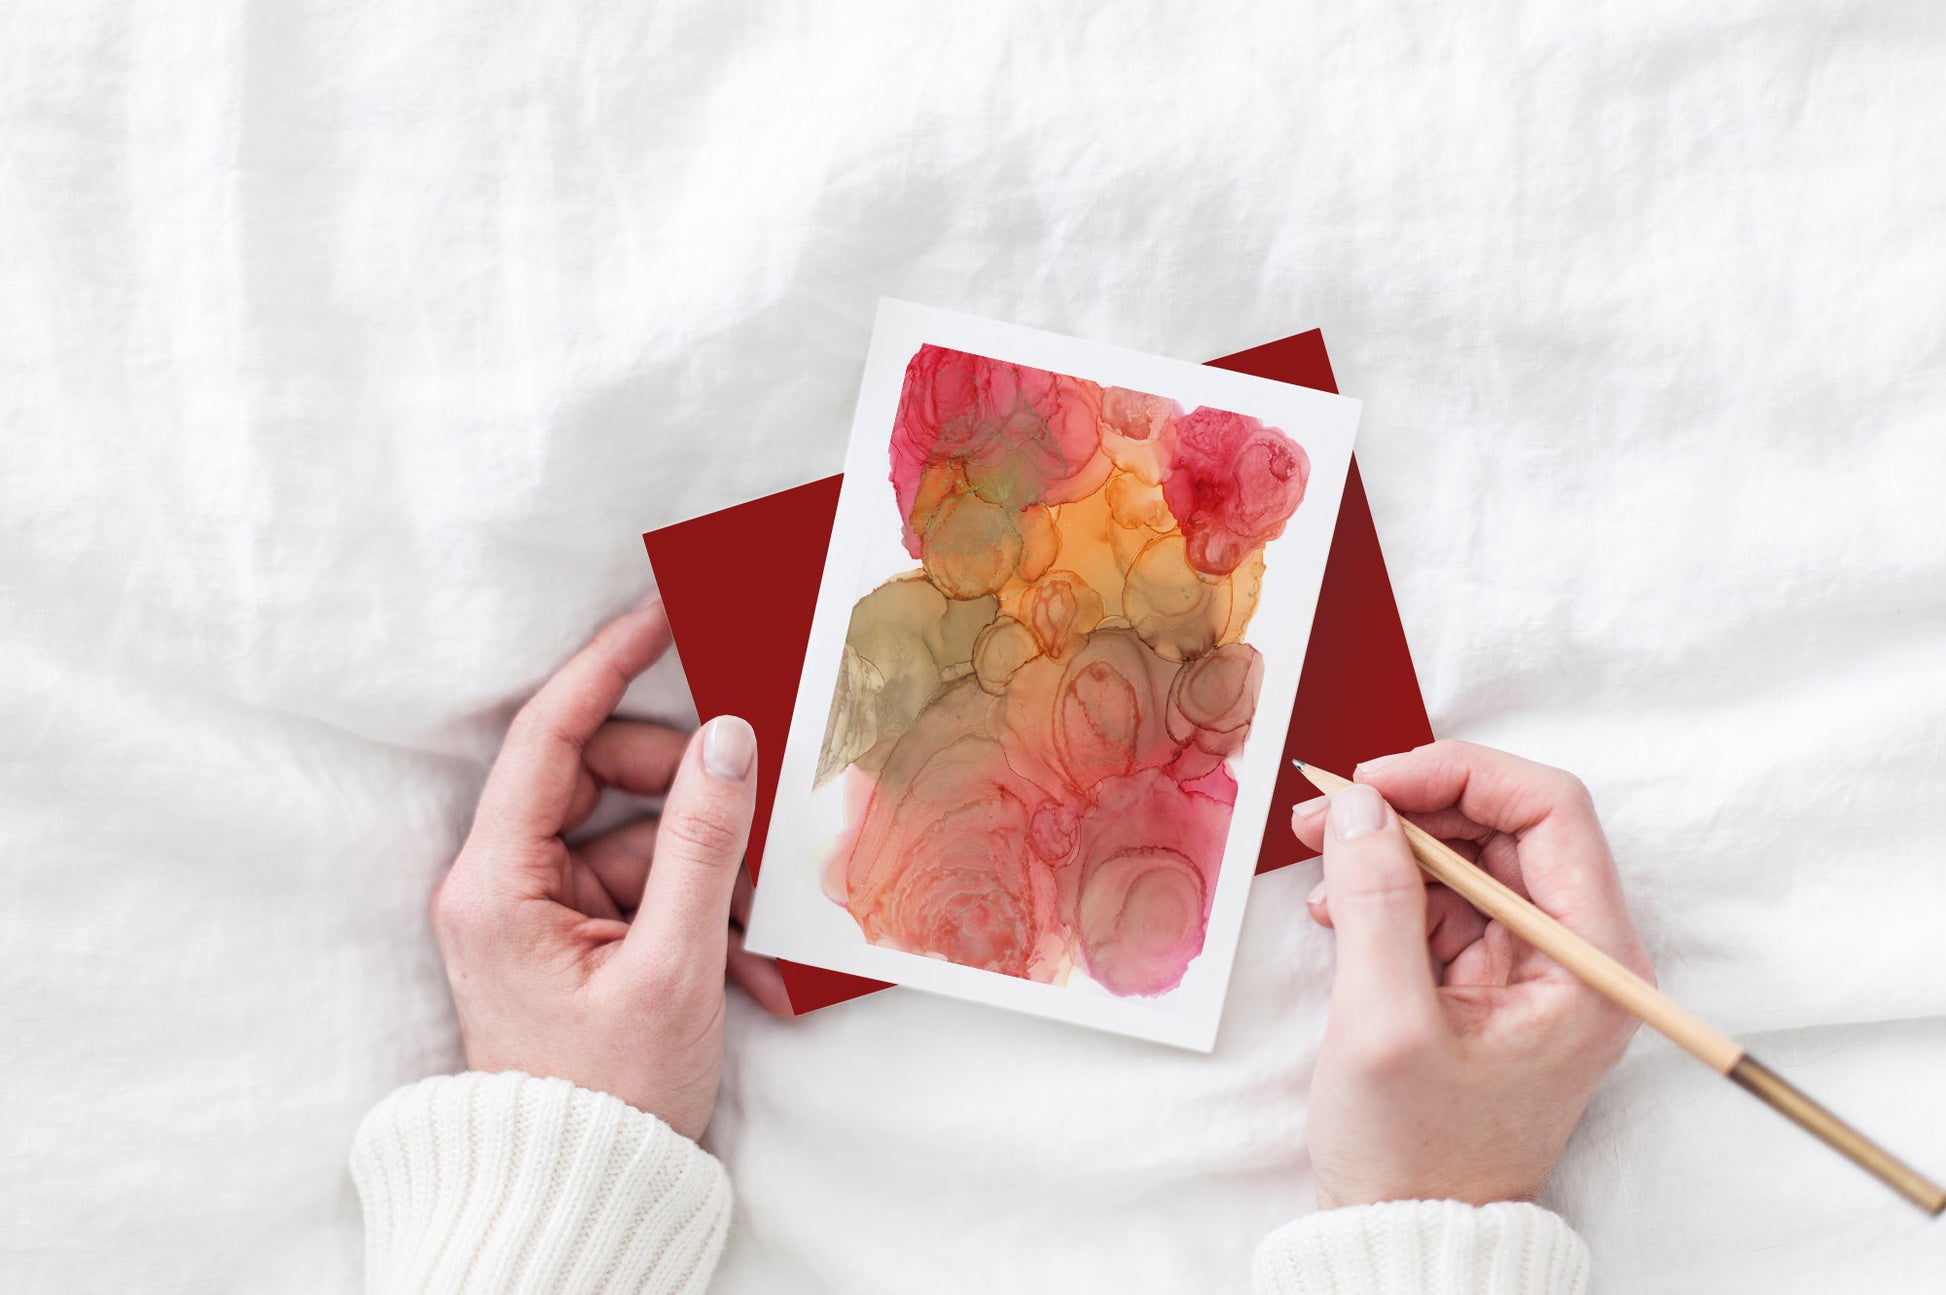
x,y
1357,698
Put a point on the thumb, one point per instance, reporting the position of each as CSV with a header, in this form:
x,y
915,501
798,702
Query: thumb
x,y
1378,907
685,913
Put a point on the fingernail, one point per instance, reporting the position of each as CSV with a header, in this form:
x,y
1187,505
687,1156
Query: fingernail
x,y
1310,809
647,600
1317,894
729,747
1356,811
1375,764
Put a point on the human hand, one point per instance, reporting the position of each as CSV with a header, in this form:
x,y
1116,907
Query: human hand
x,y
553,970
1456,1058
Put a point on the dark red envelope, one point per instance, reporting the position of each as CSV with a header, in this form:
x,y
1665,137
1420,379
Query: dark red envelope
x,y
1358,696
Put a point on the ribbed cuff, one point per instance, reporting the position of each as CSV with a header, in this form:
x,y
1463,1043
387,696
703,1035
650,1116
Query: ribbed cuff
x,y
505,1182
1440,1247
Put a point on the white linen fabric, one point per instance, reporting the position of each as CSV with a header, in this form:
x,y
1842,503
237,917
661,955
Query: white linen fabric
x,y
345,348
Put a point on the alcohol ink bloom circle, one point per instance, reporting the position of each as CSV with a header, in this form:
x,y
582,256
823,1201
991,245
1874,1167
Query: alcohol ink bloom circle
x,y
1040,541
1100,712
971,547
941,862
1148,862
1134,502
1176,607
1231,483
1136,429
1053,831
1211,702
1214,696
1142,919
1018,435
1002,648
963,899
1062,610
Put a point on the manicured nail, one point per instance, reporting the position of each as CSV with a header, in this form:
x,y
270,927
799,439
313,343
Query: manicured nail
x,y
729,748
1309,810
1316,896
1374,765
1357,811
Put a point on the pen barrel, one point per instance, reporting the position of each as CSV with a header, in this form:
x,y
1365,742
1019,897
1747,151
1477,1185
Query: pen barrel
x,y
1795,1105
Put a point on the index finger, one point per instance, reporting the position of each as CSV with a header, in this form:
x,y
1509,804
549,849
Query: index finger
x,y
531,787
1564,860
1494,789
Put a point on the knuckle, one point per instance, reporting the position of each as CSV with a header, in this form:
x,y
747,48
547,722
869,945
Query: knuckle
x,y
1638,962
455,910
1452,760
1573,791
711,832
672,980
1378,888
533,724
1622,1028
1579,1021
1604,1033
660,971
528,722
1387,1052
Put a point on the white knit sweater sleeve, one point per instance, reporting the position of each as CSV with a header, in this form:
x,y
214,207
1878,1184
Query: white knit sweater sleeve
x,y
505,1182
1436,1247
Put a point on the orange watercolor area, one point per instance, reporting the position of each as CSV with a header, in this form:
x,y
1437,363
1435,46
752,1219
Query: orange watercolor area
x,y
1035,727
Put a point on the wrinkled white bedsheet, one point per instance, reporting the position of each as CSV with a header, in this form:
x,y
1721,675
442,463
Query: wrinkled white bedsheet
x,y
346,347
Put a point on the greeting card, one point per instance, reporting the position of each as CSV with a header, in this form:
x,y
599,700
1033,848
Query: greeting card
x,y
1061,622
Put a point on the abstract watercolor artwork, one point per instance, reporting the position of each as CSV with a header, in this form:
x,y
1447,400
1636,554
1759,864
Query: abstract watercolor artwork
x,y
1038,719
1070,585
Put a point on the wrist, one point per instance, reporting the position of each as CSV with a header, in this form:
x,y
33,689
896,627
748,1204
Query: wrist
x,y
1461,1194
1521,1184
